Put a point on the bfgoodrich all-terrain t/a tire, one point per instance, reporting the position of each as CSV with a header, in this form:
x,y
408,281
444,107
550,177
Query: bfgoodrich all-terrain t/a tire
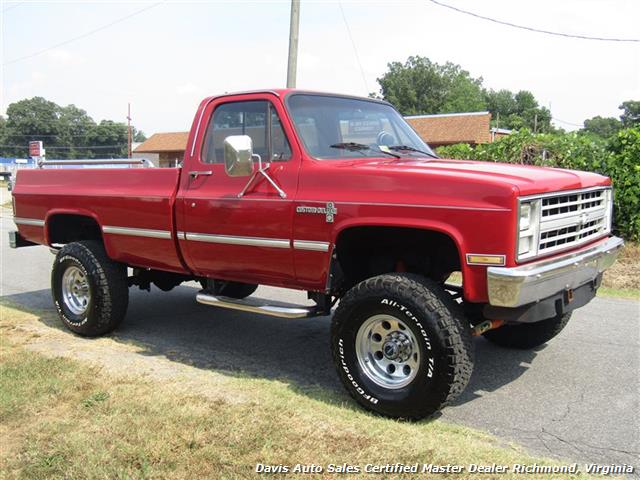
x,y
89,289
400,346
528,335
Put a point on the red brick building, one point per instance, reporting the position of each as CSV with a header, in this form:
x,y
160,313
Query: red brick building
x,y
450,128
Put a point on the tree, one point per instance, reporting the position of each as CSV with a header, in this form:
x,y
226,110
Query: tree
x,y
519,110
109,139
608,127
30,119
630,113
138,135
422,86
75,131
602,127
67,132
3,133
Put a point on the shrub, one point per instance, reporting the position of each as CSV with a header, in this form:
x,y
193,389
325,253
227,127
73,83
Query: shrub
x,y
624,170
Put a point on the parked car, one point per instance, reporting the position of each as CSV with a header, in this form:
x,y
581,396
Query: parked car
x,y
338,196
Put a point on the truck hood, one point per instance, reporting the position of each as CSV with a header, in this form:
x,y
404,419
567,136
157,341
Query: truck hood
x,y
528,179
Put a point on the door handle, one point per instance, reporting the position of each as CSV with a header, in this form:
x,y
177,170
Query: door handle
x,y
203,173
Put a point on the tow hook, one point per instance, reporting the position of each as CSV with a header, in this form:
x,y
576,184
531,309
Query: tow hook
x,y
486,326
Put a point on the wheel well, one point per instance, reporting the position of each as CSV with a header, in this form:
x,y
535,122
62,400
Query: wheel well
x,y
364,252
67,228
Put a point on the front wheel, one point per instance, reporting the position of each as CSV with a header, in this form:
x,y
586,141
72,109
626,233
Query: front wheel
x,y
89,289
400,347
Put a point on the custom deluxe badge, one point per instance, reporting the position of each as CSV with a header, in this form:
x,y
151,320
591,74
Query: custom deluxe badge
x,y
330,210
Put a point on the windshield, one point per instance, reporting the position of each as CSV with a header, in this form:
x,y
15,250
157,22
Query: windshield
x,y
341,127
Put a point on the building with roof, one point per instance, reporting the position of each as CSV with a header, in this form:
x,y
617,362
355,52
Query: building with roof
x,y
163,149
450,128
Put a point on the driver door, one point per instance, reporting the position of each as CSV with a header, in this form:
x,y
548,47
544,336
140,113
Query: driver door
x,y
241,238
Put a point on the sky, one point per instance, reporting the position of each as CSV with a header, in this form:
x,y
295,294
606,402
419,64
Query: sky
x,y
166,56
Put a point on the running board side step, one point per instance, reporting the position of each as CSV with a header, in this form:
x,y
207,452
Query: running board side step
x,y
256,306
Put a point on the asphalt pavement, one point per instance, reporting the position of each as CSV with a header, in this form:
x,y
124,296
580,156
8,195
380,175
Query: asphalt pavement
x,y
576,398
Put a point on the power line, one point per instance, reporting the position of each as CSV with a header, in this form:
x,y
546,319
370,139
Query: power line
x,y
353,44
531,29
84,35
567,123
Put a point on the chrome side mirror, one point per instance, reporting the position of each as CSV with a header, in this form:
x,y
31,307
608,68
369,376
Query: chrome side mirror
x,y
238,153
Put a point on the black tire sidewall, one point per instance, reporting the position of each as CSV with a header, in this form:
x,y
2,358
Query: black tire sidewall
x,y
526,336
429,388
76,323
107,286
238,290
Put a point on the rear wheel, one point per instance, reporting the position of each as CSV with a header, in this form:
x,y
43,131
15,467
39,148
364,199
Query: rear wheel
x,y
89,289
528,335
234,289
400,347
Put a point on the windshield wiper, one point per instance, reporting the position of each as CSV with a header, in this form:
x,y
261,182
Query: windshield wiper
x,y
410,149
359,147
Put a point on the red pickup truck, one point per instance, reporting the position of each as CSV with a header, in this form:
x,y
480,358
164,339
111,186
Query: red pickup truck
x,y
338,196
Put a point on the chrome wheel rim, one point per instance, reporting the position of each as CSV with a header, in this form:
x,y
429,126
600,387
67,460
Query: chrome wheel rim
x,y
75,290
387,351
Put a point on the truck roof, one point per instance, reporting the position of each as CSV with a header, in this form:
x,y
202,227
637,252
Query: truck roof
x,y
283,92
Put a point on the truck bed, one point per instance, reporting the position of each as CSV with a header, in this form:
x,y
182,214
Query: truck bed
x,y
132,207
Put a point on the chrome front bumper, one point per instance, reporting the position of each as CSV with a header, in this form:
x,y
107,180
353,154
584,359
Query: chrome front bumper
x,y
517,286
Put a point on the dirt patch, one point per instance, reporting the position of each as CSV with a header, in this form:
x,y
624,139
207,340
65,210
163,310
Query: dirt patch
x,y
625,273
116,357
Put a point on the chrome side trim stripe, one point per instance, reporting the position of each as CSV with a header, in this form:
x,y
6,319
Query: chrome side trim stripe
x,y
311,245
28,221
137,232
224,239
232,240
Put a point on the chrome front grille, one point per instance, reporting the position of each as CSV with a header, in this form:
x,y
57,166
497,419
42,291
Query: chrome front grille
x,y
573,219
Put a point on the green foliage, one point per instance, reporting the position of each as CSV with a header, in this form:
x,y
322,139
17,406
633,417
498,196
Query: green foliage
x,y
421,86
602,127
624,170
619,159
630,113
608,127
67,132
519,110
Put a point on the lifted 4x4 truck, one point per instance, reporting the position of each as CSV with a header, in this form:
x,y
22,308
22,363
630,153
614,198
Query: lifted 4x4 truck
x,y
338,196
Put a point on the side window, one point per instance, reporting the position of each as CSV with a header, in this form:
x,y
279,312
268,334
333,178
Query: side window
x,y
280,149
258,119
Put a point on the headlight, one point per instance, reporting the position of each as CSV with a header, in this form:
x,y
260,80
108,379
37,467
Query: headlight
x,y
528,228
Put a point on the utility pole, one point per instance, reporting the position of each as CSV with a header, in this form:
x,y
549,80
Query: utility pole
x,y
293,44
129,130
535,123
